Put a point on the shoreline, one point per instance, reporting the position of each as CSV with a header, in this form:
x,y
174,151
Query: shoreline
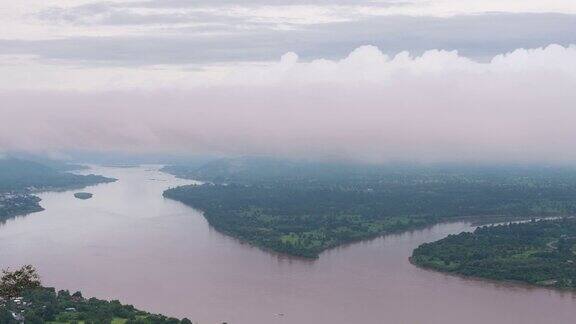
x,y
502,283
472,220
34,194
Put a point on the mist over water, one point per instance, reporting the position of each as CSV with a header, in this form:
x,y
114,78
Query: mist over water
x,y
130,243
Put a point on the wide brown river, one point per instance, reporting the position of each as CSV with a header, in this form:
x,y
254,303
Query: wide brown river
x,y
131,244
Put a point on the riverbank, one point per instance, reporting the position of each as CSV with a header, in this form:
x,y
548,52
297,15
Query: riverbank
x,y
21,182
16,204
539,253
306,222
302,209
128,234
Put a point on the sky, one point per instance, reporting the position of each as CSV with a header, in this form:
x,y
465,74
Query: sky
x,y
425,80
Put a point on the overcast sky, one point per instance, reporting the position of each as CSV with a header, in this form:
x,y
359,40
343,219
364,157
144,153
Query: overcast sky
x,y
377,80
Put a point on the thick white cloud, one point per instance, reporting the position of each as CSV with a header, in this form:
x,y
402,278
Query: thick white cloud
x,y
519,106
196,75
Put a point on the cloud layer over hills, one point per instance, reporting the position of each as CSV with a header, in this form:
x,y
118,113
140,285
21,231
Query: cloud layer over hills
x,y
368,106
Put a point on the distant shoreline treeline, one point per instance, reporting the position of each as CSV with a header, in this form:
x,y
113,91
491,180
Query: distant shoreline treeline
x,y
21,179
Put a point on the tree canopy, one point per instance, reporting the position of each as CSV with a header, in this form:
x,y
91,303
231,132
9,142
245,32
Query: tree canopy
x,y
303,208
537,252
13,283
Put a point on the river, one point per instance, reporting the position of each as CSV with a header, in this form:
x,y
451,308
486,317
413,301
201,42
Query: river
x,y
131,244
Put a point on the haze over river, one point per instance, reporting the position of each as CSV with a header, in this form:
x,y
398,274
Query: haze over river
x,y
131,244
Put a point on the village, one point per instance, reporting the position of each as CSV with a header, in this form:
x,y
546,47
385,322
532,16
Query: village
x,y
14,203
19,305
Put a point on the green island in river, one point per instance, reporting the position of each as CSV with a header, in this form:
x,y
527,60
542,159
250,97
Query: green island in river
x,y
537,252
303,208
83,195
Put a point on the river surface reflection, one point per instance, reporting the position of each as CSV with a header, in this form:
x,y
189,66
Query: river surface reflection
x,y
130,243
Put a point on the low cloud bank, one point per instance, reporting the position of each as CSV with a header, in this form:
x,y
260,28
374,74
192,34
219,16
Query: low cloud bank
x,y
440,106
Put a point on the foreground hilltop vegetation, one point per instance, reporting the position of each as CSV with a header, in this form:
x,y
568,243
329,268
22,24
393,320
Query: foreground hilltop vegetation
x,y
24,300
304,208
537,252
19,179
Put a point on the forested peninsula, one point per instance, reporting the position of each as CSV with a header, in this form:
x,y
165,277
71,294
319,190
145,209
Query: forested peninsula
x,y
537,252
304,208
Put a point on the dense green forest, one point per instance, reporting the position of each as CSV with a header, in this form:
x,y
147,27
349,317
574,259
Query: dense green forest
x,y
303,208
45,305
24,300
537,252
19,179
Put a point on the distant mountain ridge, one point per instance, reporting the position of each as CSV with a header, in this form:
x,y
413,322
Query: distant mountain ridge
x,y
264,169
20,175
